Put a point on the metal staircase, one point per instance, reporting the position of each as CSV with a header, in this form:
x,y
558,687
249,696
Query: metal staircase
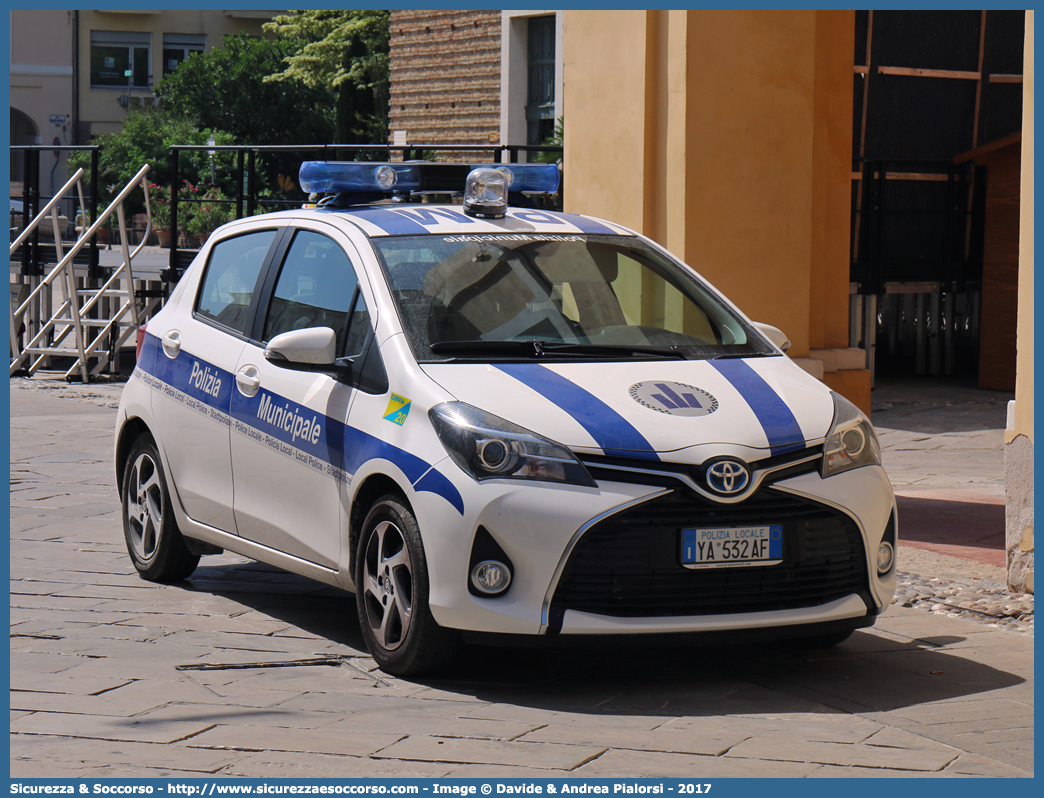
x,y
89,324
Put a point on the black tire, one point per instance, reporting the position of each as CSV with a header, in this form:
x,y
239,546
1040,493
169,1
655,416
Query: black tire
x,y
391,593
154,541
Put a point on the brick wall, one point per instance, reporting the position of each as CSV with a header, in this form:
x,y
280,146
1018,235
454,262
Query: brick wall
x,y
445,76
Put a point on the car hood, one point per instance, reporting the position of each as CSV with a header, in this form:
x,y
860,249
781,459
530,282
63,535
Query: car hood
x,y
650,407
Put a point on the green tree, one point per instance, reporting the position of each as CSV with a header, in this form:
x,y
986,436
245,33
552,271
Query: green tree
x,y
226,89
145,138
345,52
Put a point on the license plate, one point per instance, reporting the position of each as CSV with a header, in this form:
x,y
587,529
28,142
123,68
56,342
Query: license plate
x,y
725,547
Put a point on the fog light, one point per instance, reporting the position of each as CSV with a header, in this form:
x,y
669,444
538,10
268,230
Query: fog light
x,y
490,577
885,557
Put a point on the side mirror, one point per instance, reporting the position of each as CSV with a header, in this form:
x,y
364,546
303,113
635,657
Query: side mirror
x,y
774,334
312,347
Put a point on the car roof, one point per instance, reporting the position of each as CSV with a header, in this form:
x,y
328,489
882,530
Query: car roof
x,y
377,221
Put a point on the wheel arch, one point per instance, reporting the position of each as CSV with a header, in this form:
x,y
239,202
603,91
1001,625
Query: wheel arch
x,y
133,429
372,488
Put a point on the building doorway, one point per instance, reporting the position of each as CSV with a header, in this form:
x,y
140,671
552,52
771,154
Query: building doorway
x,y
23,131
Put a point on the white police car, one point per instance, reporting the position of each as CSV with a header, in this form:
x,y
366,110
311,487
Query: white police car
x,y
494,421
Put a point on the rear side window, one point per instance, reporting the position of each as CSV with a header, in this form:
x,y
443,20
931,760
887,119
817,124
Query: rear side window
x,y
231,279
315,288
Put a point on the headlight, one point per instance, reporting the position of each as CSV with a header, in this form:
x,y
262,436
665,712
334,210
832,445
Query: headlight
x,y
851,442
488,447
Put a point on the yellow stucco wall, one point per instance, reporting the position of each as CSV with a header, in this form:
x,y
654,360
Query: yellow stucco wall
x,y
726,136
100,107
609,173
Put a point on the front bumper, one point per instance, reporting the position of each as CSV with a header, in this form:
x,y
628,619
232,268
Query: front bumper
x,y
852,606
605,561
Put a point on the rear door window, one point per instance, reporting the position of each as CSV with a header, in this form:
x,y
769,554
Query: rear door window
x,y
231,281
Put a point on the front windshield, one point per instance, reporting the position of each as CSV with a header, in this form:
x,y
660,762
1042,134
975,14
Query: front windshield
x,y
480,297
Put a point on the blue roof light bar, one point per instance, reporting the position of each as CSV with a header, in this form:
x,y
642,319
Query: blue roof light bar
x,y
318,177
363,177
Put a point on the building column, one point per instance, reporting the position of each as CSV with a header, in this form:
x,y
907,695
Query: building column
x,y
1018,437
727,137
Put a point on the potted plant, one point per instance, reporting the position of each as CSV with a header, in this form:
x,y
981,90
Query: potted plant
x,y
159,202
211,213
83,224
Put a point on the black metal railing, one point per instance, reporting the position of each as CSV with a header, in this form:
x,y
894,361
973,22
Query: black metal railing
x,y
252,163
917,221
34,254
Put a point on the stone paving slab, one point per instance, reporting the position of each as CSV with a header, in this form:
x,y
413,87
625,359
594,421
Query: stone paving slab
x,y
83,705
298,765
672,741
834,772
267,738
811,727
920,757
100,727
175,757
551,756
274,719
97,691
972,765
507,772
334,690
654,764
62,684
969,711
413,723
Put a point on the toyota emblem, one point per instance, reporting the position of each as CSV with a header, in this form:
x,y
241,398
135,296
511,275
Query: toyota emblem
x,y
727,476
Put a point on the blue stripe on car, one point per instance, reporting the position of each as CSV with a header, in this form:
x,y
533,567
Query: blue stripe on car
x,y
337,444
585,225
581,223
178,373
781,427
416,221
438,483
611,431
391,222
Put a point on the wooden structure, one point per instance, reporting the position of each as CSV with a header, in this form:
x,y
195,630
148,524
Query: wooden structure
x,y
928,85
1000,268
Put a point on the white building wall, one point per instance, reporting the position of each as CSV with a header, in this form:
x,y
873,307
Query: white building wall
x,y
514,55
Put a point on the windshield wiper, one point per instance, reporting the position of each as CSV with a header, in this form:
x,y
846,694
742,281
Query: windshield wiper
x,y
466,347
540,348
735,355
553,347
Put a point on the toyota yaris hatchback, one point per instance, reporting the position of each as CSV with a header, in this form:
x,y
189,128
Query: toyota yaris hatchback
x,y
487,419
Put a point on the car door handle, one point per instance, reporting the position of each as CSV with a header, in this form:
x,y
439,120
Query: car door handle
x,y
248,380
171,343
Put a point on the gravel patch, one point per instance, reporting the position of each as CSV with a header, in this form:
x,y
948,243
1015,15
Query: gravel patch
x,y
983,601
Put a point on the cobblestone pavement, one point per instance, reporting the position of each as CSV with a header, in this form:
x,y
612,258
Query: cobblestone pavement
x,y
989,603
245,670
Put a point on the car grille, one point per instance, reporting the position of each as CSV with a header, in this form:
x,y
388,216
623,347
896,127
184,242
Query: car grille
x,y
629,565
673,475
